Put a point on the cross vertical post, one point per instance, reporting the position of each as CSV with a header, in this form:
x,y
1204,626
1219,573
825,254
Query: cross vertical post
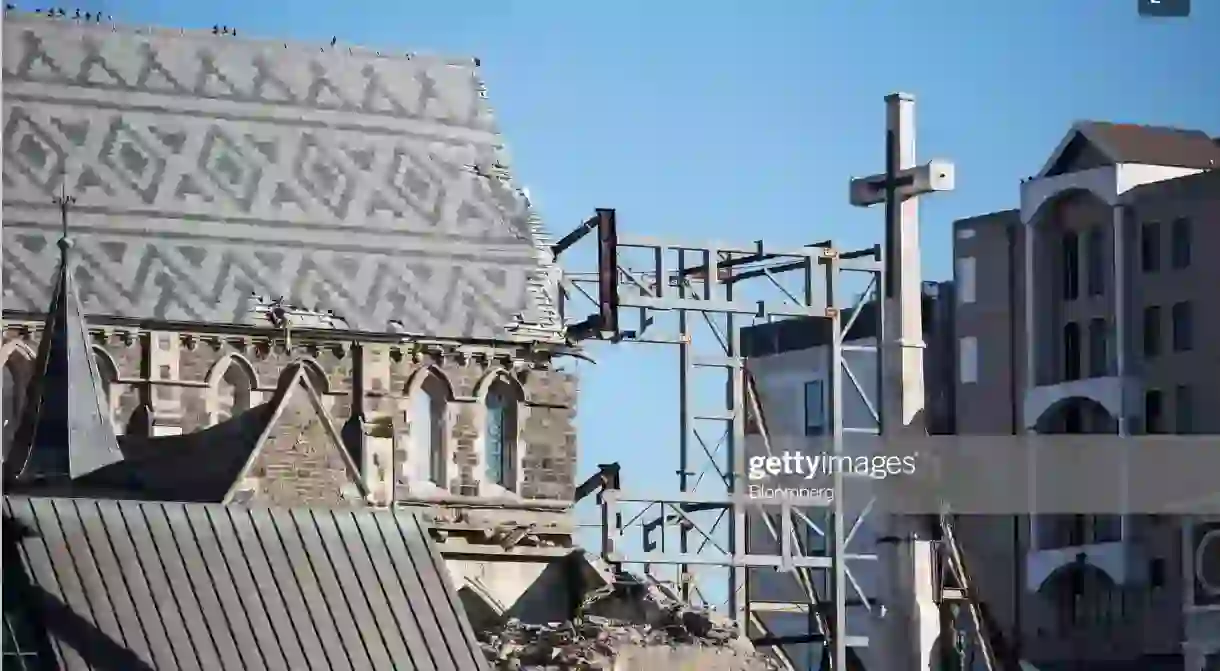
x,y
910,624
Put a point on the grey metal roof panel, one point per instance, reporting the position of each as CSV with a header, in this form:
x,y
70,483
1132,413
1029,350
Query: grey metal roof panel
x,y
65,430
210,169
204,586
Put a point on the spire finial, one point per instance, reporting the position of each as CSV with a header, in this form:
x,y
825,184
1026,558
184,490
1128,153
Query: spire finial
x,y
65,203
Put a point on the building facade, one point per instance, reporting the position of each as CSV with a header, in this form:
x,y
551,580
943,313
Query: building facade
x,y
1091,309
788,362
312,254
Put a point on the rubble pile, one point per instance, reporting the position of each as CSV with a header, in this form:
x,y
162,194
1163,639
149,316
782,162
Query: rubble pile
x,y
632,619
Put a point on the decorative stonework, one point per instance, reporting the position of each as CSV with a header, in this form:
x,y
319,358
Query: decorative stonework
x,y
210,168
204,384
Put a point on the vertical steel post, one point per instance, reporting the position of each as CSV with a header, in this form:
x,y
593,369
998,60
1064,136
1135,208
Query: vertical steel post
x,y
684,414
735,455
838,579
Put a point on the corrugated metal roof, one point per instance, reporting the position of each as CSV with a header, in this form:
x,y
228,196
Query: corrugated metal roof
x,y
66,430
201,587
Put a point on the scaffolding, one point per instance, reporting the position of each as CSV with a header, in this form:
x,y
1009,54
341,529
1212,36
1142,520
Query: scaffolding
x,y
710,282
715,284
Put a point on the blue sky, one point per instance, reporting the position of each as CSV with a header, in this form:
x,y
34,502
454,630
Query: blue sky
x,y
743,120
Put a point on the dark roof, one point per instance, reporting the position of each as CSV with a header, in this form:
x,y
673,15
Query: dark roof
x,y
1155,145
1091,144
134,586
372,184
65,431
216,465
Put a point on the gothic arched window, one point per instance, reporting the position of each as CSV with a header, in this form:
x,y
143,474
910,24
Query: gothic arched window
x,y
500,435
428,428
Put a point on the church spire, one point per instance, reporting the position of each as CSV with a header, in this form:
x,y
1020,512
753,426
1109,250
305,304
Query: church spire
x,y
66,429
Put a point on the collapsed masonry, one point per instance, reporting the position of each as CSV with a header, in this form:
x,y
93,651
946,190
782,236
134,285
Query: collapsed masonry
x,y
626,625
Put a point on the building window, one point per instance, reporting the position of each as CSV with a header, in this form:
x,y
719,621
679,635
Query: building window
x,y
965,280
427,431
1154,412
1183,410
968,359
1071,266
500,435
1071,351
815,408
1180,248
1150,247
1096,254
1099,355
1182,317
1152,331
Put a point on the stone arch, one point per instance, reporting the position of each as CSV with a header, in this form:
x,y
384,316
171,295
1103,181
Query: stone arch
x,y
1072,416
1076,415
501,397
18,362
500,376
1036,209
108,375
1081,595
317,374
428,396
232,382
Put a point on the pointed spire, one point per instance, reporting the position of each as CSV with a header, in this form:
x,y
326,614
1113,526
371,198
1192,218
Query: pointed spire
x,y
65,430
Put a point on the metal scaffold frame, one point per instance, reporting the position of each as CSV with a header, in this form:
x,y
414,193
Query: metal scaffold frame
x,y
705,282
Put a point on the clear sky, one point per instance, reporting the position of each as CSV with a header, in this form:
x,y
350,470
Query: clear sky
x,y
738,120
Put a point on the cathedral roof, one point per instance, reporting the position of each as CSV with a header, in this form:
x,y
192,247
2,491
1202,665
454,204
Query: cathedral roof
x,y
368,189
65,430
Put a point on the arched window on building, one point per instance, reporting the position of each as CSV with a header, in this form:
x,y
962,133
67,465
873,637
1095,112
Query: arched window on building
x,y
428,429
17,370
108,374
235,388
500,434
11,393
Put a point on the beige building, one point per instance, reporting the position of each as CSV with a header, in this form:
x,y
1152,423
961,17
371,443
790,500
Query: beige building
x,y
1092,308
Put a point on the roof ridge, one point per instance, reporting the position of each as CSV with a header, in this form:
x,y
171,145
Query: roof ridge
x,y
205,34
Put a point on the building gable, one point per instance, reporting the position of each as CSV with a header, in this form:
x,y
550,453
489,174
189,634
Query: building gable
x,y
300,458
1079,154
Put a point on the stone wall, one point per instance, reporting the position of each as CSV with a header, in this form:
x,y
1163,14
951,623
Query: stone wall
x,y
168,383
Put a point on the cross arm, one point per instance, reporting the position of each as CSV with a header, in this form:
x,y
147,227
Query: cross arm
x,y
933,176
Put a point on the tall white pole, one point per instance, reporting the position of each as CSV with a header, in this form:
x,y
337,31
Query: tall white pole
x,y
910,625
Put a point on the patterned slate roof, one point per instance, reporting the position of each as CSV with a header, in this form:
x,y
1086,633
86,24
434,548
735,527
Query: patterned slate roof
x,y
211,168
192,586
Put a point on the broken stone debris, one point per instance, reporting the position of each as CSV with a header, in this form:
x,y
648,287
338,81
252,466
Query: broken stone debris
x,y
595,642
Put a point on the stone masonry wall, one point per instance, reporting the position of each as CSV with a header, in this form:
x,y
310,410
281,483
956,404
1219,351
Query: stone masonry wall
x,y
167,383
